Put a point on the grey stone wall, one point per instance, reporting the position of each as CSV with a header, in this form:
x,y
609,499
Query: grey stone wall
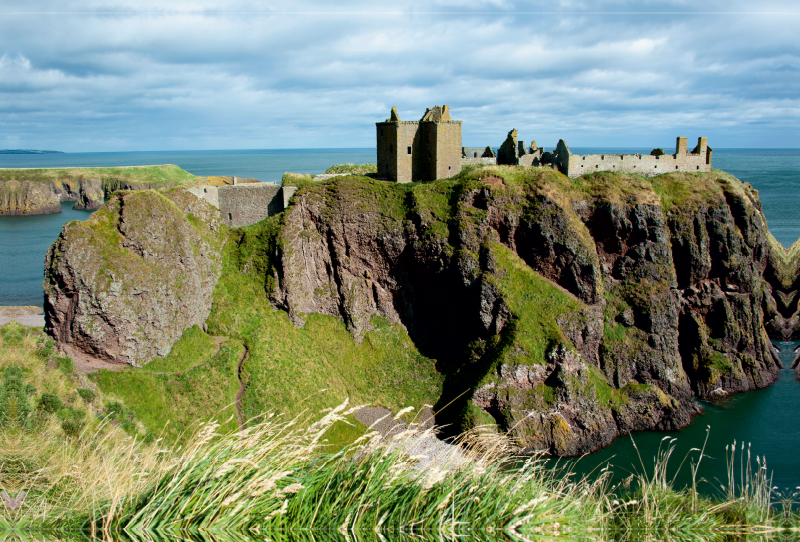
x,y
447,161
246,204
207,193
575,165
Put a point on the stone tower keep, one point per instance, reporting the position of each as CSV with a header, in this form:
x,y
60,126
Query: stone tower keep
x,y
426,150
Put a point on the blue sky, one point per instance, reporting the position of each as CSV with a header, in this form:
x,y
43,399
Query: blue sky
x,y
90,75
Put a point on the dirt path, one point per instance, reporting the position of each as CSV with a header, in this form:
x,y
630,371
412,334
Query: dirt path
x,y
88,364
418,440
23,315
242,387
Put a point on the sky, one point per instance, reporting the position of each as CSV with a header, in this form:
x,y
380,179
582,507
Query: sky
x,y
131,75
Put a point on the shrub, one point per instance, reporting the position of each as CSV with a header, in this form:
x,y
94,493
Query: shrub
x,y
87,395
50,403
657,152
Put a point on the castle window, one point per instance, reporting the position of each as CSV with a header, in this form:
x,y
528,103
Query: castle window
x,y
409,150
205,190
230,217
449,167
676,167
698,167
475,155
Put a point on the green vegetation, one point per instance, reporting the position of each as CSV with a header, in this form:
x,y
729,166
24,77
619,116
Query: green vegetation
x,y
316,366
536,304
355,169
295,178
113,178
196,389
192,349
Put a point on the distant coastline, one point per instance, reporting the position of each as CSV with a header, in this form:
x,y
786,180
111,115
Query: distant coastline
x,y
27,151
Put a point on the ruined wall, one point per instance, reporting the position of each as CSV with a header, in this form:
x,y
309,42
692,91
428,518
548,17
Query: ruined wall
x,y
246,204
478,156
642,164
207,193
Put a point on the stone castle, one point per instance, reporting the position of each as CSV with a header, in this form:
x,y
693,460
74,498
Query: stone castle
x,y
431,149
426,150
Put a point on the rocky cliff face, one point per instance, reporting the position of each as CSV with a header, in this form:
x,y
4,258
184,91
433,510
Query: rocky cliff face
x,y
567,311
20,198
124,284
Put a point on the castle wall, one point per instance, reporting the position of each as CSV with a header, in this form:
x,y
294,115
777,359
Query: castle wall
x,y
246,204
448,150
206,192
640,164
395,162
468,161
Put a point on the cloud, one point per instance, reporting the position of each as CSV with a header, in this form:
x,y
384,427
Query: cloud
x,y
94,75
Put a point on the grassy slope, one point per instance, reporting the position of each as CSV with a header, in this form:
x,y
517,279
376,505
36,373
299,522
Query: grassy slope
x,y
161,176
199,388
293,370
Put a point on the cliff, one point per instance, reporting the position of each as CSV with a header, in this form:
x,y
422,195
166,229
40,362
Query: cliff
x,y
124,284
567,311
40,191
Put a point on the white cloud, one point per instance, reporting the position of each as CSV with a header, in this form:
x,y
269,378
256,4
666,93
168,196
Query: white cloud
x,y
246,74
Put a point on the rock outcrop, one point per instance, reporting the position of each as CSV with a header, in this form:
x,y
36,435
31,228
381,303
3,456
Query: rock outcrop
x,y
22,198
124,284
567,312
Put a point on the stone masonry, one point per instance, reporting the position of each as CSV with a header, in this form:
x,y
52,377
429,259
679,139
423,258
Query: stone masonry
x,y
429,149
425,150
575,165
245,204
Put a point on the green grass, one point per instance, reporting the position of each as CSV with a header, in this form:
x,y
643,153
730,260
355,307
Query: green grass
x,y
170,404
193,348
292,370
113,178
536,304
355,169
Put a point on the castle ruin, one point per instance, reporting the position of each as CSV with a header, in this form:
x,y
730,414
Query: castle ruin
x,y
424,150
430,149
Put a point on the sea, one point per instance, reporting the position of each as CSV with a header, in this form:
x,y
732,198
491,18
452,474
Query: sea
x,y
763,423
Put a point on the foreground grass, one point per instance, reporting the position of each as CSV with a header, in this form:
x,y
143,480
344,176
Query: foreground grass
x,y
282,475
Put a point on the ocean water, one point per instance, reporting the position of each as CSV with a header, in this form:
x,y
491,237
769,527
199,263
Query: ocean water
x,y
766,418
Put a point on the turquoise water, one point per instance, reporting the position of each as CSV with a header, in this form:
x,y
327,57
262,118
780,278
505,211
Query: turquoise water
x,y
766,418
